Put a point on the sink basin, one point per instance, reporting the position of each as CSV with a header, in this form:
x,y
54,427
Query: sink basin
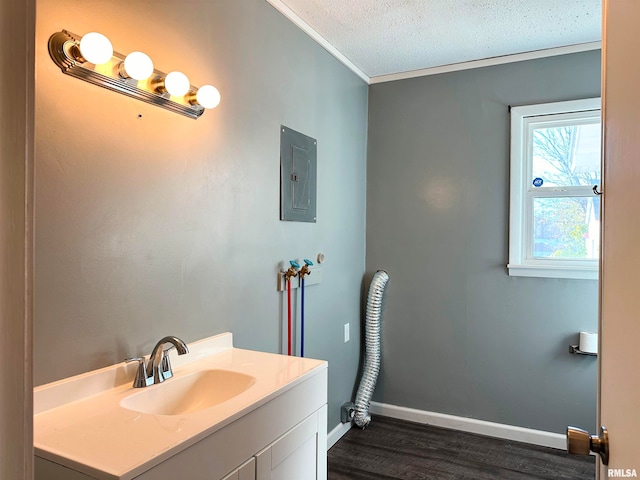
x,y
190,393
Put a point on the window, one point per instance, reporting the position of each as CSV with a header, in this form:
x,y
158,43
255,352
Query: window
x,y
554,215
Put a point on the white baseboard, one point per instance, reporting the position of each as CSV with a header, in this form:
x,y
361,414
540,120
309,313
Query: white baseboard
x,y
471,425
337,433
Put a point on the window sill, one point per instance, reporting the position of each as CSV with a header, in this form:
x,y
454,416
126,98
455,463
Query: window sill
x,y
551,271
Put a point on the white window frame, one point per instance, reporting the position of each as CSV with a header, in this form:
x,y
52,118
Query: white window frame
x,y
521,261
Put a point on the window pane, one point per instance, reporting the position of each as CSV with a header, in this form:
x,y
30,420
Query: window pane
x,y
566,155
566,227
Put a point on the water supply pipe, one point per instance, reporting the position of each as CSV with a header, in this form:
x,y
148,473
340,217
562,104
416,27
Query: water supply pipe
x,y
304,271
289,317
291,272
373,324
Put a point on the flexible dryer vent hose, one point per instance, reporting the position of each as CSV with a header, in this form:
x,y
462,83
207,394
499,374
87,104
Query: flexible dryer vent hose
x,y
373,324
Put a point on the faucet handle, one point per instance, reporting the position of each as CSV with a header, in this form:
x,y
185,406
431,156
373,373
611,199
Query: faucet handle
x,y
140,379
140,360
165,368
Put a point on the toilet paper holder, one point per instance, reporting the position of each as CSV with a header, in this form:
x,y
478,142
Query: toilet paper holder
x,y
575,349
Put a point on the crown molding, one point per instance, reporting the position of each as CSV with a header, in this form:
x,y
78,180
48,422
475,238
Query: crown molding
x,y
487,62
323,42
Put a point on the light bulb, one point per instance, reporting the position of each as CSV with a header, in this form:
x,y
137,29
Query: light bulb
x,y
208,96
96,48
138,66
177,84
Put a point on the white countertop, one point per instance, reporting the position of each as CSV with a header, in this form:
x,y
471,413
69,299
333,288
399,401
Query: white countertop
x,y
79,422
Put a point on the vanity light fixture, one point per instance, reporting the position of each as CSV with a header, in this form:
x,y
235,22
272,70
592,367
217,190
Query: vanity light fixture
x,y
91,58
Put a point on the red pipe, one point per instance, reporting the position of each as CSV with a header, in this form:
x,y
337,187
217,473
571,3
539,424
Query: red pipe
x,y
289,316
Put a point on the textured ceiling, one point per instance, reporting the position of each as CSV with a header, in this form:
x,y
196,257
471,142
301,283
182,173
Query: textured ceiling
x,y
391,36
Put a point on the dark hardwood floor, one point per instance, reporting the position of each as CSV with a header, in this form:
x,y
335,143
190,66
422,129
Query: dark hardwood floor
x,y
396,449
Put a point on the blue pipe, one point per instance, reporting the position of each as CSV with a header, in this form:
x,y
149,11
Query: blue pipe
x,y
302,319
308,263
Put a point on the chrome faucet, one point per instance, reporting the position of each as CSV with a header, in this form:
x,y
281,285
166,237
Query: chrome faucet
x,y
158,368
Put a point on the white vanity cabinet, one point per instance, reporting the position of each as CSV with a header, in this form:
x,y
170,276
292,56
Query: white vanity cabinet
x,y
284,439
274,430
287,436
300,454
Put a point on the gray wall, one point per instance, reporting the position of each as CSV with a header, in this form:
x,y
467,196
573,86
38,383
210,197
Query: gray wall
x,y
460,335
165,225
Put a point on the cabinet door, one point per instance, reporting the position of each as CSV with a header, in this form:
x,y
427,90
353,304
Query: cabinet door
x,y
47,470
232,476
246,472
294,456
